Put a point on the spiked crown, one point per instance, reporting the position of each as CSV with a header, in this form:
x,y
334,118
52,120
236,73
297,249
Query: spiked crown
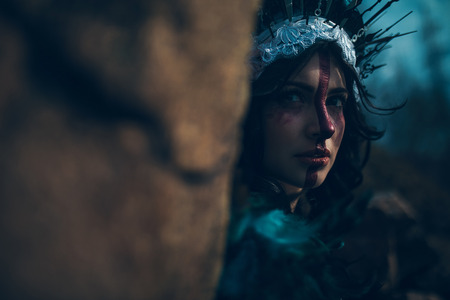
x,y
286,28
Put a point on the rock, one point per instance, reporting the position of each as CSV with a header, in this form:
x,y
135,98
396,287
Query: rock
x,y
119,125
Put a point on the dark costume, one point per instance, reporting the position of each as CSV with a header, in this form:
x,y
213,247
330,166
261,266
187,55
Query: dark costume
x,y
273,254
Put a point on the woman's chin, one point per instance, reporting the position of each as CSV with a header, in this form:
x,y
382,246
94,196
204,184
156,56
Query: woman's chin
x,y
292,187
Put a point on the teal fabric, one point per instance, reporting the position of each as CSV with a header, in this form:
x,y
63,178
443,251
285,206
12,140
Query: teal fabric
x,y
277,255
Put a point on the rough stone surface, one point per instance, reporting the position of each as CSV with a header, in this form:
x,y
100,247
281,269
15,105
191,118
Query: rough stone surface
x,y
119,125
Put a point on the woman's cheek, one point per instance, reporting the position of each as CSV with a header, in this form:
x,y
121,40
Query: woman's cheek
x,y
339,125
283,116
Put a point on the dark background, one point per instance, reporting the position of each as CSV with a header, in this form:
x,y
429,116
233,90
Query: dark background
x,y
409,166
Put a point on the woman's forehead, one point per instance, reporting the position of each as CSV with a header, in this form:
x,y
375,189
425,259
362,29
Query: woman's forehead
x,y
310,73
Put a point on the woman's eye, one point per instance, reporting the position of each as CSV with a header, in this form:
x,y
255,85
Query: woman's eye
x,y
291,98
337,101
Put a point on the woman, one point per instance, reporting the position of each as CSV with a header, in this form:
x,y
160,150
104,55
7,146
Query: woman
x,y
301,126
303,140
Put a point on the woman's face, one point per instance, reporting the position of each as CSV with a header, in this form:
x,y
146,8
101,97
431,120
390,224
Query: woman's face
x,y
305,123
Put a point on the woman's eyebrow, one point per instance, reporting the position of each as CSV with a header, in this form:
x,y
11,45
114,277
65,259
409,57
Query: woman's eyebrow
x,y
338,90
302,85
311,89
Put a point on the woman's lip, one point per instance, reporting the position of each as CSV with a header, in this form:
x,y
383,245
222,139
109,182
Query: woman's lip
x,y
314,161
318,157
316,153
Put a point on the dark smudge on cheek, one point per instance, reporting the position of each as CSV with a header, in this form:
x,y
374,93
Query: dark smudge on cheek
x,y
281,115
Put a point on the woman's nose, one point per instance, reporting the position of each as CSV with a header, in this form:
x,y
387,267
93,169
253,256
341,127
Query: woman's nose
x,y
321,125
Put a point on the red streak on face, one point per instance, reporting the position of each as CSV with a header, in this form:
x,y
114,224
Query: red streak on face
x,y
327,128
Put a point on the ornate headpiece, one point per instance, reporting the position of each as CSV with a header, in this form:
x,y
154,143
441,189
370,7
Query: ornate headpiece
x,y
287,28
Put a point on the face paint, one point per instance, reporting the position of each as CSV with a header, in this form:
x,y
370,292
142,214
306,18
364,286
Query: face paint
x,y
326,126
